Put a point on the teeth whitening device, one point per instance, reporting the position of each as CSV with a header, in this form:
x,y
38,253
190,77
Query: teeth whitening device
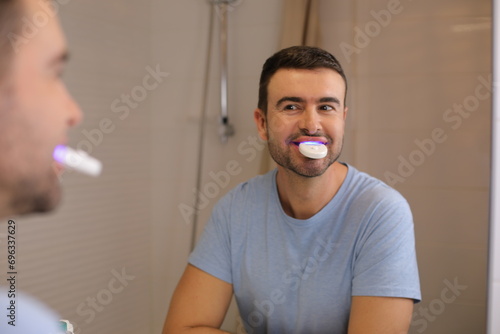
x,y
313,149
77,160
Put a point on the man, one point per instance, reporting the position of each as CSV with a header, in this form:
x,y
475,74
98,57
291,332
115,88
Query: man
x,y
314,246
36,112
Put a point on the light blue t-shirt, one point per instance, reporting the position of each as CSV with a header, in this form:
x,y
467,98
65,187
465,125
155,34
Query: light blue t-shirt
x,y
298,276
25,315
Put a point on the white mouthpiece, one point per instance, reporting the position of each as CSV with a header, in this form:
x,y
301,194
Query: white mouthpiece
x,y
77,160
313,150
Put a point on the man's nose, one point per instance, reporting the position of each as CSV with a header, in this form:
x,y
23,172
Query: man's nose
x,y
310,121
75,113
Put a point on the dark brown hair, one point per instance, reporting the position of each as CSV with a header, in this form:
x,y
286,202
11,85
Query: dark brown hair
x,y
10,22
296,57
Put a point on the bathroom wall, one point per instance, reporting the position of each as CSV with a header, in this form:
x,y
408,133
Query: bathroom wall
x,y
420,113
179,44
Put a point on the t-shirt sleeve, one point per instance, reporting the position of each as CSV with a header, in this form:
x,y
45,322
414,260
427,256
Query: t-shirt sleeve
x,y
212,252
385,262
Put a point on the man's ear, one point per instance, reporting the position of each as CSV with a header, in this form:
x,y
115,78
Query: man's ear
x,y
261,121
345,113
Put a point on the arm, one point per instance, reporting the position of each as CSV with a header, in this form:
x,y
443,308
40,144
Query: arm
x,y
380,315
199,303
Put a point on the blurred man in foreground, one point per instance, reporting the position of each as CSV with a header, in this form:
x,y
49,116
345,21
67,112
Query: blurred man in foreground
x,y
36,112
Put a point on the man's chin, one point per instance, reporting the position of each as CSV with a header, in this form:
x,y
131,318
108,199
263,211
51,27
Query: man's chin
x,y
309,172
49,201
32,200
312,168
301,165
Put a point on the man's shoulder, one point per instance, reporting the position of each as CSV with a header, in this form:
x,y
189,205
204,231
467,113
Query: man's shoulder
x,y
365,186
377,204
252,188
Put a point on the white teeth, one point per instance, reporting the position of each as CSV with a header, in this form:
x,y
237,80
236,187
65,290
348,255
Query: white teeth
x,y
313,150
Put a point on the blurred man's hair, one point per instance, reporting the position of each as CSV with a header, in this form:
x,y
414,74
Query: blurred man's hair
x,y
10,22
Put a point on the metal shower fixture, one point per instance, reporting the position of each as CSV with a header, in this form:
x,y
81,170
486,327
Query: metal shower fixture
x,y
226,129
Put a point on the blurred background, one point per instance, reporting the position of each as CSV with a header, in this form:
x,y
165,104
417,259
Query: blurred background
x,y
419,119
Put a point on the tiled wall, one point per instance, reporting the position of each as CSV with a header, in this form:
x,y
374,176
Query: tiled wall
x,y
179,44
420,112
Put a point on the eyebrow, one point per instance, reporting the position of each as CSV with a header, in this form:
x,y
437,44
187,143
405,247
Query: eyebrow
x,y
289,99
330,99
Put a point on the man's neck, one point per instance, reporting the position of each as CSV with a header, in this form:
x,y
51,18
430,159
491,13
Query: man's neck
x,y
302,197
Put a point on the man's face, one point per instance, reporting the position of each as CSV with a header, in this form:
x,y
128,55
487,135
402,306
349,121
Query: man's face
x,y
36,112
303,105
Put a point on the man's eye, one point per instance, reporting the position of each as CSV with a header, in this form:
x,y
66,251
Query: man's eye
x,y
291,107
326,108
